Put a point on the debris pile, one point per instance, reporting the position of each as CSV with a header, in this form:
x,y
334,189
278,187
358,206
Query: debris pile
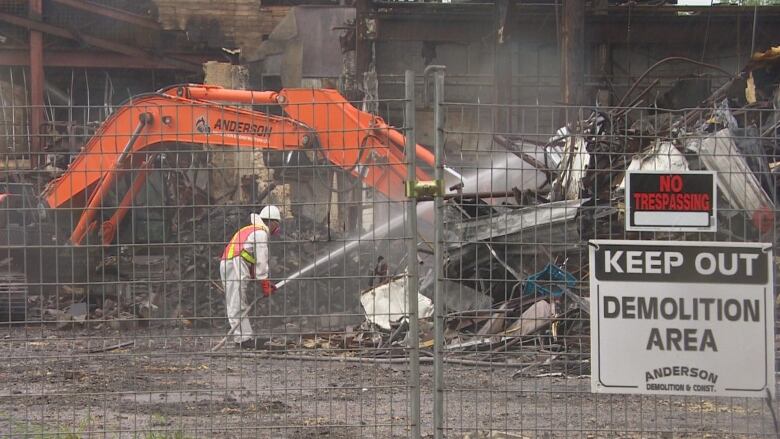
x,y
505,250
528,255
179,283
521,264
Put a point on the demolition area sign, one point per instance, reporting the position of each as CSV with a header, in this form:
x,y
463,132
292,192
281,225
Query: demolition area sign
x,y
681,201
686,318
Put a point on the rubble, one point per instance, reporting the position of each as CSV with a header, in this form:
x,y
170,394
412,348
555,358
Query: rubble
x,y
180,285
13,291
520,267
527,255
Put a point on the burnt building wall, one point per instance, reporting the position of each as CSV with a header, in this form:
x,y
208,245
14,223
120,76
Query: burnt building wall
x,y
228,23
619,47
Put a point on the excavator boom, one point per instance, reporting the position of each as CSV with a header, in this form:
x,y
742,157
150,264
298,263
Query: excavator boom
x,y
345,133
355,141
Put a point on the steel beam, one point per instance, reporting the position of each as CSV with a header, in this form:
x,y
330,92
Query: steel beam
x,y
676,30
438,256
412,279
645,28
94,59
437,31
37,82
116,14
503,26
573,52
362,43
40,26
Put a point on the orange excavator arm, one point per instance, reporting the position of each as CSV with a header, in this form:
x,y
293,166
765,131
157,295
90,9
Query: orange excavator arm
x,y
351,139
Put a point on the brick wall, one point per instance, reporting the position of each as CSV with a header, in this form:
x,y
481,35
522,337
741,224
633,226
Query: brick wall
x,y
224,23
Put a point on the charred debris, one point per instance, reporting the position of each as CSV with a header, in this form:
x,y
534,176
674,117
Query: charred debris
x,y
525,252
516,265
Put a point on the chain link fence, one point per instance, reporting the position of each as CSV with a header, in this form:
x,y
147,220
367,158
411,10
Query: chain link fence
x,y
112,300
537,184
421,294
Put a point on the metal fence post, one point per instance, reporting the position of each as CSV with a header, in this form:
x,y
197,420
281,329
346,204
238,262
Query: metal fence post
x,y
438,256
412,272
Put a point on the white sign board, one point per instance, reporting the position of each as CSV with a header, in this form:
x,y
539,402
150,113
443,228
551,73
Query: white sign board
x,y
686,318
671,201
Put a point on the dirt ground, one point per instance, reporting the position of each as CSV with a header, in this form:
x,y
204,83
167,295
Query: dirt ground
x,y
168,385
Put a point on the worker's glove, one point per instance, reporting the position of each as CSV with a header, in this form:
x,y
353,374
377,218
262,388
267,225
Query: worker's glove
x,y
268,287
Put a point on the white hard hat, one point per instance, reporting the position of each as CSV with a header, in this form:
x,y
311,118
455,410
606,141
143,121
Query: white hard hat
x,y
270,213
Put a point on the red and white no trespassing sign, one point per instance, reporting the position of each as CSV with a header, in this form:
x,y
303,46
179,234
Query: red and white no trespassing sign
x,y
678,201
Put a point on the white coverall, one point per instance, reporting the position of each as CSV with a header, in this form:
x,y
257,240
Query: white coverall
x,y
236,275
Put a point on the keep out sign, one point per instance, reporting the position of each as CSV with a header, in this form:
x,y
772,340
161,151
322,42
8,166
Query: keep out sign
x,y
688,318
685,201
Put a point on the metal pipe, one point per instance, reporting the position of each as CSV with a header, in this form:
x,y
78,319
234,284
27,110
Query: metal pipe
x,y
36,85
228,95
105,184
413,336
143,120
368,360
438,256
426,72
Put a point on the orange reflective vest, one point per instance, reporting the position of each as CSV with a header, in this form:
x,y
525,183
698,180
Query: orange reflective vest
x,y
236,245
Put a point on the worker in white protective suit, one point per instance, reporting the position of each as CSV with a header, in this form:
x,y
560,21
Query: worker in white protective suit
x,y
246,258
